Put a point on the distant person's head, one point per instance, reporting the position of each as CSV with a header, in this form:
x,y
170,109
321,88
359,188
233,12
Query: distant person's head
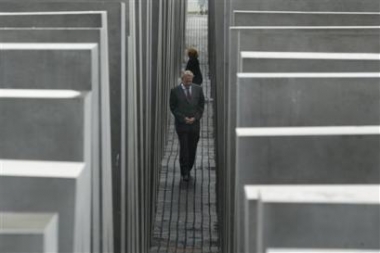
x,y
187,78
192,53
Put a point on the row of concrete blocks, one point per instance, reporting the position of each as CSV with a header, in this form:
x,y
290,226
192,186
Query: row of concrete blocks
x,y
129,52
303,113
322,155
55,132
271,99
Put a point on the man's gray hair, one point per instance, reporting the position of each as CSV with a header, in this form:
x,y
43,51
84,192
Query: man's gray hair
x,y
187,72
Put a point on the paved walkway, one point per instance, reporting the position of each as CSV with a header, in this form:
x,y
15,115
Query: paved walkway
x,y
186,219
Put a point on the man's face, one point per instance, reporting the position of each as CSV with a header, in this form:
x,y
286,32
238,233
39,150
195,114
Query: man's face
x,y
187,80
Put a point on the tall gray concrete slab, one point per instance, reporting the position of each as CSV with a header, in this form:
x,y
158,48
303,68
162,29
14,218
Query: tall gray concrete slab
x,y
311,217
48,56
218,39
59,187
28,232
118,27
270,100
280,62
292,18
271,5
305,155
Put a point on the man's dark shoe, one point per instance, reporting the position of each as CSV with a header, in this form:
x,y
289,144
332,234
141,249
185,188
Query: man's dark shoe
x,y
186,178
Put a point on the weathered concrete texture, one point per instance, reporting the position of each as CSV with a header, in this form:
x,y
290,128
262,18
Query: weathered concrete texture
x,y
58,187
28,232
279,62
61,68
265,18
312,217
319,159
268,101
42,129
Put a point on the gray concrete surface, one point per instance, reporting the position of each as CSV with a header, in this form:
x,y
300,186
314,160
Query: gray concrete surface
x,y
117,23
305,156
42,129
312,217
58,187
264,100
28,232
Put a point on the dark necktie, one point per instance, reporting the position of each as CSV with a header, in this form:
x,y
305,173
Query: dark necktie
x,y
188,95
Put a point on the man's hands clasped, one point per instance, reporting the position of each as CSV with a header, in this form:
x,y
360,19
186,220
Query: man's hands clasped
x,y
189,120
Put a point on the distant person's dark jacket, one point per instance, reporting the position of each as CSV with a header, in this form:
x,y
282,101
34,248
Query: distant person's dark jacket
x,y
181,107
193,66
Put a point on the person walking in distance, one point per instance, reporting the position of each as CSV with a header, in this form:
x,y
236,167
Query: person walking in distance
x,y
187,104
193,65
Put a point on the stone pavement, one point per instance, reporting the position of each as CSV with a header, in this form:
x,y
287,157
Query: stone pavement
x,y
186,218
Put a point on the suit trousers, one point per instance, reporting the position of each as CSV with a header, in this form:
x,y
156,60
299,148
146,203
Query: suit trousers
x,y
188,141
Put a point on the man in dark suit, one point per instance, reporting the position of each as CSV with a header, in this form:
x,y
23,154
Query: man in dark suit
x,y
187,104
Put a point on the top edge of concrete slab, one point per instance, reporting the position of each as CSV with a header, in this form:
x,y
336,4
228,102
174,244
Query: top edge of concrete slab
x,y
29,168
350,194
50,13
19,223
309,75
42,94
302,27
305,12
310,55
271,250
51,28
307,131
48,46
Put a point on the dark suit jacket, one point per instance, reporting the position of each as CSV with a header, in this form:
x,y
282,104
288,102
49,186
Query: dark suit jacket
x,y
181,107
